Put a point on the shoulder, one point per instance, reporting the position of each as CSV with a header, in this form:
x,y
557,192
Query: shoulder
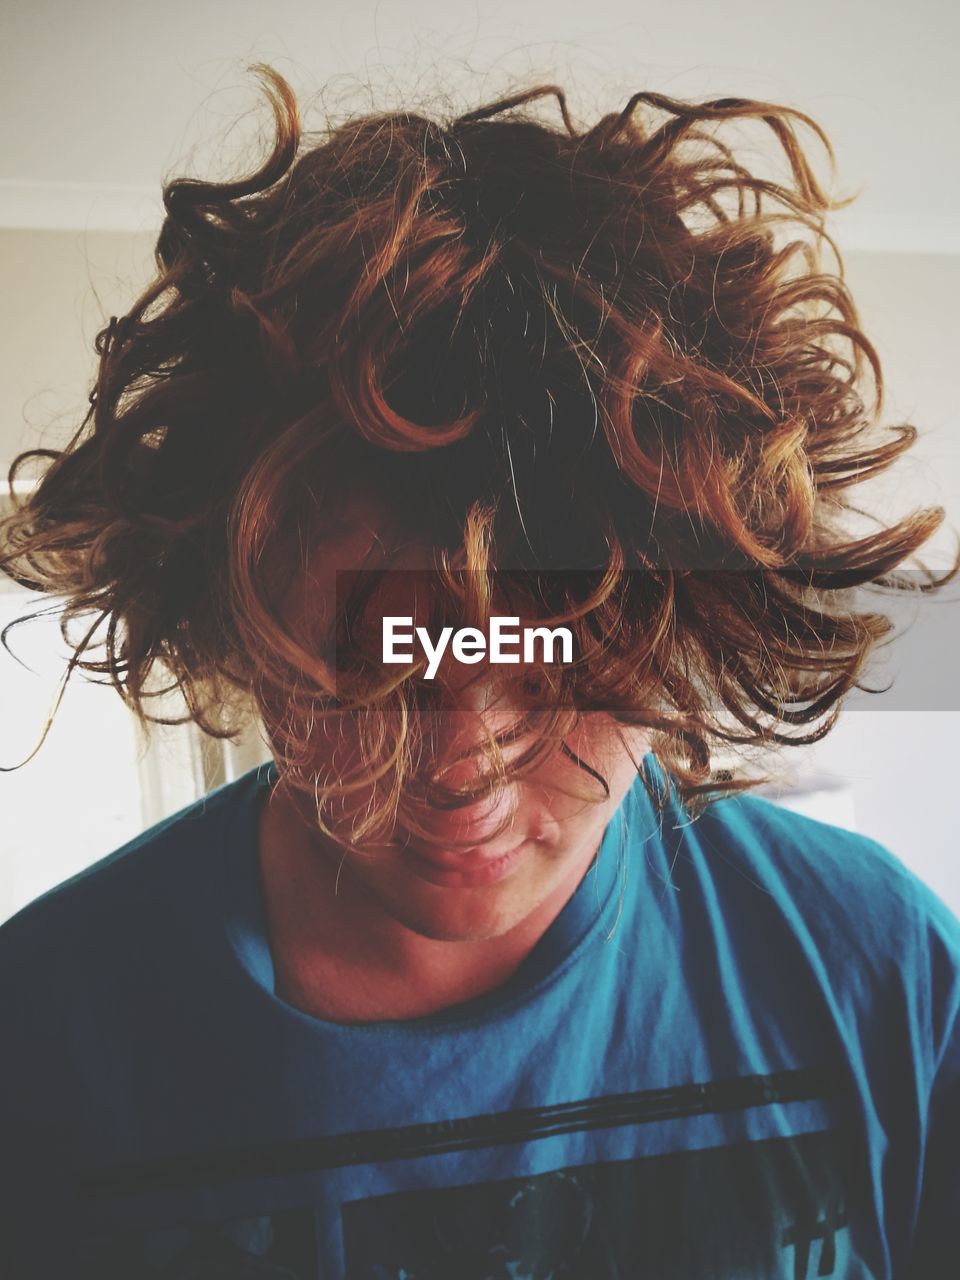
x,y
780,879
120,899
840,874
868,926
804,910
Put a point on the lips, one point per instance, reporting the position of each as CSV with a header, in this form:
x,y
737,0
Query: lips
x,y
465,860
474,869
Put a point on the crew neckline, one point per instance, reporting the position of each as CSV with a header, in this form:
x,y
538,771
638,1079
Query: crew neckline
x,y
588,915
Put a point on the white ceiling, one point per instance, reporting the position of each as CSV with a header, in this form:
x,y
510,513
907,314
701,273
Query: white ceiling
x,y
100,100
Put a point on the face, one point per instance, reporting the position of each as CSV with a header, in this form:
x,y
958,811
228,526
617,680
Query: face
x,y
500,864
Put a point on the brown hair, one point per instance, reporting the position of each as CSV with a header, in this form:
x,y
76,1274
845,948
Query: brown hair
x,y
621,328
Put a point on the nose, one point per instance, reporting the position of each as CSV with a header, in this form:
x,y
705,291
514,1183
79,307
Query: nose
x,y
459,763
475,823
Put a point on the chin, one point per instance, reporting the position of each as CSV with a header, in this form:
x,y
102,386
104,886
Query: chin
x,y
459,921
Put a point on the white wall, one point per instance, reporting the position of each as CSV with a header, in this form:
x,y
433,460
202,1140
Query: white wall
x,y
101,98
59,287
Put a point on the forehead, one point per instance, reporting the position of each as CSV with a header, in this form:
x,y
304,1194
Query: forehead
x,y
364,530
356,524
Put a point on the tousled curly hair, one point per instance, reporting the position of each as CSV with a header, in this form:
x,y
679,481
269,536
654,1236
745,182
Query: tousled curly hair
x,y
611,355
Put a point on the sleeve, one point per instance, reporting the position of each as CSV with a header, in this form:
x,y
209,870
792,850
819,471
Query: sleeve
x,y
936,1245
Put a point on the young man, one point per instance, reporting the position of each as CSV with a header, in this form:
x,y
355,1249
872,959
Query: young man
x,y
484,975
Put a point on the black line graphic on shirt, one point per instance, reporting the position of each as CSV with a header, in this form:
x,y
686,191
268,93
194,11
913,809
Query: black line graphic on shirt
x,y
771,1210
778,1209
307,1155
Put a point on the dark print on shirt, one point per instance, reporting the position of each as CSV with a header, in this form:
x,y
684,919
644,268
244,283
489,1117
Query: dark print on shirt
x,y
773,1210
780,1209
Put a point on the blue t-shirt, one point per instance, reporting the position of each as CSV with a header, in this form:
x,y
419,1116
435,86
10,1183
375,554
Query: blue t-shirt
x,y
735,1053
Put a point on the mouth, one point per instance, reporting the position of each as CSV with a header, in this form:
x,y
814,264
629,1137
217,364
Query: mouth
x,y
473,870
